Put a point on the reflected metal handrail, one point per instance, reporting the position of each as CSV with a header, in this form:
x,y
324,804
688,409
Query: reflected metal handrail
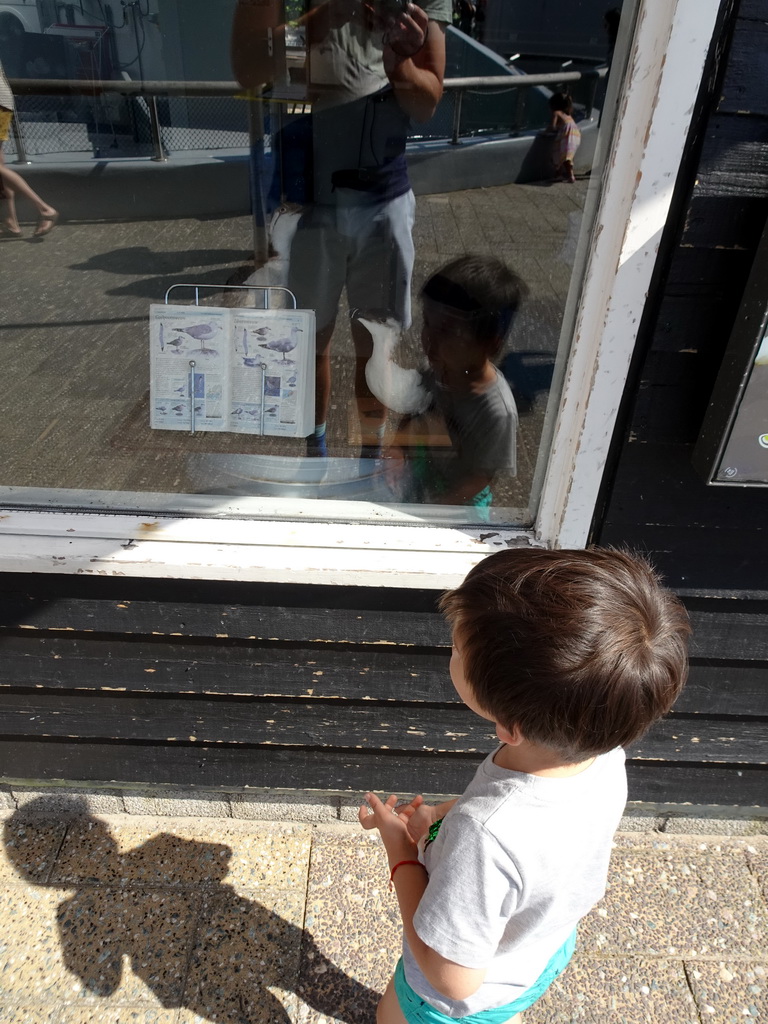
x,y
150,90
90,87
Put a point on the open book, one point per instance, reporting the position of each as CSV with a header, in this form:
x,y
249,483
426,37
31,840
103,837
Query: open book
x,y
243,370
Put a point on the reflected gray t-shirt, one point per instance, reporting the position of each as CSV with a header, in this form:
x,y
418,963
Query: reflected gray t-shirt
x,y
517,862
357,122
482,426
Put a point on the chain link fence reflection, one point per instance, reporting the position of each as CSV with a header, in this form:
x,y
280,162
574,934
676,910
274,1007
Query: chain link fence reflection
x,y
110,125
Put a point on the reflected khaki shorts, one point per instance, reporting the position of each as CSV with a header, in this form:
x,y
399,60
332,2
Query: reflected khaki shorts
x,y
5,123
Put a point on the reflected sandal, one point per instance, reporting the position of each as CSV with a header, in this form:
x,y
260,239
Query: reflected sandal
x,y
45,225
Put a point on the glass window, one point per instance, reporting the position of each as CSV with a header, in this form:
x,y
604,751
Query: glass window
x,y
340,278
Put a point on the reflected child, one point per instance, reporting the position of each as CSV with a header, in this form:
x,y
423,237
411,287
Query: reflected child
x,y
468,309
567,135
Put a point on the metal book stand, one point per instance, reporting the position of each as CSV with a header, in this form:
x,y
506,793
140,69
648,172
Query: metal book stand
x,y
267,290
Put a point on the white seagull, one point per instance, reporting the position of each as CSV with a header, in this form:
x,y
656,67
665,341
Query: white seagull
x,y
400,390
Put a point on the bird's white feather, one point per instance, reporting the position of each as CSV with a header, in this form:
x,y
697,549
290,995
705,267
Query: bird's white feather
x,y
396,387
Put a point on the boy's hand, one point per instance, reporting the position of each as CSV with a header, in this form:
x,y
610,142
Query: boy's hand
x,y
421,820
391,821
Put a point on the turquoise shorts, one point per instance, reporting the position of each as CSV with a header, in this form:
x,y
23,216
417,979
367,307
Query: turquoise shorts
x,y
416,1011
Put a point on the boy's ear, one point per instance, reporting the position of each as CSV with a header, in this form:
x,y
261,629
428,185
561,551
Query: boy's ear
x,y
511,736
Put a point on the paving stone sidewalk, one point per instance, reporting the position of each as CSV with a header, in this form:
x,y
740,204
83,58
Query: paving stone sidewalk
x,y
158,920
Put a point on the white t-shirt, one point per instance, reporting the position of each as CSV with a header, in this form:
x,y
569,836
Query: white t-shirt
x,y
517,862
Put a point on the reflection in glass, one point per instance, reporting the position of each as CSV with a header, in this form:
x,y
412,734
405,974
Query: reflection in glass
x,y
351,171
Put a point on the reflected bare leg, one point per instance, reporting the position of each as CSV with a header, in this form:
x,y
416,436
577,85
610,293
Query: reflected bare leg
x,y
370,411
8,217
14,183
323,372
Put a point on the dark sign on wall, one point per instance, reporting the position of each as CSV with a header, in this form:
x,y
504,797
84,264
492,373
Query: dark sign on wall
x,y
733,444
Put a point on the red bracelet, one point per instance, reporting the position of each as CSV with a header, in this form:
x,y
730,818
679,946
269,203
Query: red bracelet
x,y
399,865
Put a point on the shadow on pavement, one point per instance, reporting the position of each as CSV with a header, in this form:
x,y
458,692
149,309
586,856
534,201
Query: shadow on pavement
x,y
192,940
168,267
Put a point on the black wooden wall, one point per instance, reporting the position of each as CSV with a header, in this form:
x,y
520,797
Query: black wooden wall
x,y
235,685
711,543
704,538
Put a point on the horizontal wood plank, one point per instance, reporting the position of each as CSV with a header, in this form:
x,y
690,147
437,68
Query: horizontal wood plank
x,y
730,222
55,664
152,618
733,162
657,782
744,85
337,725
702,740
238,768
707,272
726,688
685,324
735,635
235,767
753,10
705,560
379,673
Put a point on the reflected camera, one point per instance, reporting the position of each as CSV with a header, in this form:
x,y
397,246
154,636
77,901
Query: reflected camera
x,y
390,8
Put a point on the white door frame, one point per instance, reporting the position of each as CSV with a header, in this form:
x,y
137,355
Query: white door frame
x,y
665,66
666,58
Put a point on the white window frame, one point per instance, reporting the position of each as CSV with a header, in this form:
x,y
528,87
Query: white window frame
x,y
667,54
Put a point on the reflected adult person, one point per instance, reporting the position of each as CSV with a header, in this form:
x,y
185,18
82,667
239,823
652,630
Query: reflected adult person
x,y
12,183
466,13
372,67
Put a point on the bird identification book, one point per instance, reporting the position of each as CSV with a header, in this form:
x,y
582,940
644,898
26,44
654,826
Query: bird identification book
x,y
247,371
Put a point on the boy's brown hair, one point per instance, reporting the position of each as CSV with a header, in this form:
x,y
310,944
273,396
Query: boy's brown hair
x,y
481,290
582,650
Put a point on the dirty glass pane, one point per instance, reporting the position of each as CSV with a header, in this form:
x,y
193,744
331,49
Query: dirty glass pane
x,y
413,176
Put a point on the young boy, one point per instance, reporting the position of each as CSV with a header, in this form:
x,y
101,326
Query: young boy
x,y
468,309
572,655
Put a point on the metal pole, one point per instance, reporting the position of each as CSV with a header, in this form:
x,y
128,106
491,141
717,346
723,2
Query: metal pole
x,y
256,132
593,83
18,138
192,396
457,101
519,113
154,125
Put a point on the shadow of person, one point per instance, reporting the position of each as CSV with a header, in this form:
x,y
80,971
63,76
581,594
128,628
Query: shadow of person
x,y
188,937
167,267
135,259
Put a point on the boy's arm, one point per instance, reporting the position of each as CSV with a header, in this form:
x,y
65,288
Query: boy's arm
x,y
410,881
465,488
448,978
